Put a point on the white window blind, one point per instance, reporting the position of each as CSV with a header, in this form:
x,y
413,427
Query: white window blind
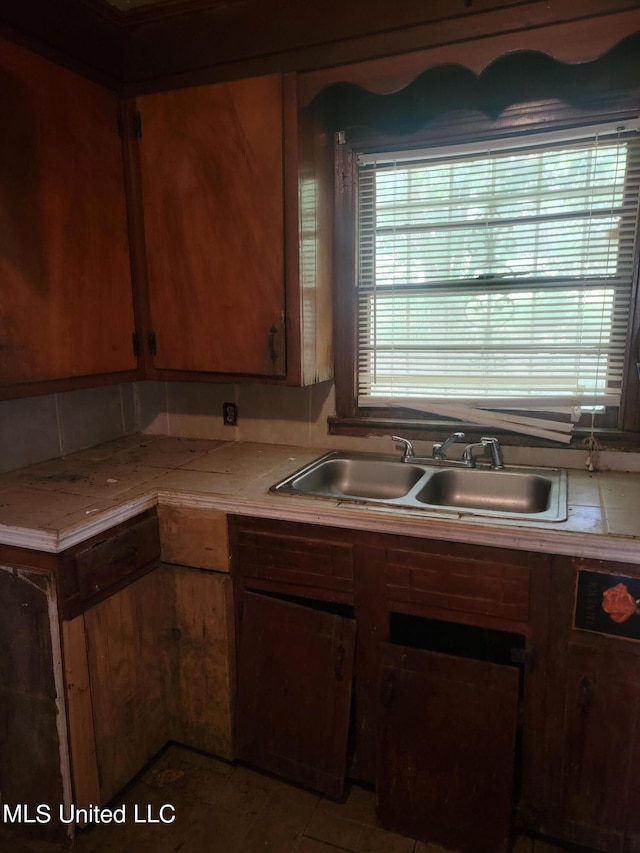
x,y
498,276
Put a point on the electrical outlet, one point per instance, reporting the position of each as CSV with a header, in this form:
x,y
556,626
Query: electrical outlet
x,y
230,414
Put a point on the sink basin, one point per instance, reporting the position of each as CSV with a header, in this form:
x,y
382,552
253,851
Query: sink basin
x,y
358,478
501,491
535,494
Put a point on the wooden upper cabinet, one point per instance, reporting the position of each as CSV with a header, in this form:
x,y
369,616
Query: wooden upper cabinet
x,y
66,306
220,171
213,207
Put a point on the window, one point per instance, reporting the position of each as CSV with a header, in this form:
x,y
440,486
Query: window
x,y
497,274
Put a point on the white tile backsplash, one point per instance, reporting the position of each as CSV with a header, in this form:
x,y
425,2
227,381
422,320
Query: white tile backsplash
x,y
28,431
90,416
35,429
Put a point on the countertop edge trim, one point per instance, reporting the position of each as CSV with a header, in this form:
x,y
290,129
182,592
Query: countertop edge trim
x,y
540,540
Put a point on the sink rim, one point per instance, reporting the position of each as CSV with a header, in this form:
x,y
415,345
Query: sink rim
x,y
557,510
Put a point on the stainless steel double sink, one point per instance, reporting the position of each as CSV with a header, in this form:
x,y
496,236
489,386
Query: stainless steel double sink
x,y
538,494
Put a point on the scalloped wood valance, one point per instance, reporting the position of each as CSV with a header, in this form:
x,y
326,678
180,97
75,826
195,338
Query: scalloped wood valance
x,y
516,77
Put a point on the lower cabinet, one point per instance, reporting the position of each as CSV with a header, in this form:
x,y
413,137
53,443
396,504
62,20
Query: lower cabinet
x,y
397,661
479,689
108,654
593,708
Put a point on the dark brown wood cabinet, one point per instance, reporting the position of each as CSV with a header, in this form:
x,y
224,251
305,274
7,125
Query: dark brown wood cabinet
x,y
236,226
66,304
593,715
602,709
294,691
446,747
294,683
454,688
445,639
33,768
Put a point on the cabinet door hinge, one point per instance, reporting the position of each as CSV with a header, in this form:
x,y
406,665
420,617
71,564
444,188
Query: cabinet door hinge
x,y
136,344
526,657
151,341
137,125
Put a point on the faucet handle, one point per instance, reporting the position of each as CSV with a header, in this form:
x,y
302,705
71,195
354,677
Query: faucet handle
x,y
408,447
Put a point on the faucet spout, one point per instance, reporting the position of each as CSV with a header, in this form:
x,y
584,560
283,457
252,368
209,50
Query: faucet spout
x,y
438,451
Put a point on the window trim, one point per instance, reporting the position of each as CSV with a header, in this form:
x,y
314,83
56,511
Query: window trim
x,y
616,427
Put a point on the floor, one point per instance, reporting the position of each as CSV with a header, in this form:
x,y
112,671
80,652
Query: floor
x,y
222,808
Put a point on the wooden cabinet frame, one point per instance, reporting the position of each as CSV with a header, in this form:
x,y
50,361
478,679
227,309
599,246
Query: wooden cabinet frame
x,y
592,715
495,589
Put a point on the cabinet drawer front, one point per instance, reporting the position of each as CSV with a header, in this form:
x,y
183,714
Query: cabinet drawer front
x,y
109,562
461,584
312,560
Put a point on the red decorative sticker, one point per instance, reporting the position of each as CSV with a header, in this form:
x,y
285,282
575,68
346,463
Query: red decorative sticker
x,y
618,603
606,603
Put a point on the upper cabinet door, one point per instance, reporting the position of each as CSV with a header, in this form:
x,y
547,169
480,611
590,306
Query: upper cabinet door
x,y
212,184
66,307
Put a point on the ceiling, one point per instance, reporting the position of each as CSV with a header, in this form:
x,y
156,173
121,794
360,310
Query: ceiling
x,y
169,5
130,4
139,46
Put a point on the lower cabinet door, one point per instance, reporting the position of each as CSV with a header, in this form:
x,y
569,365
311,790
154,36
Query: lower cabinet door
x,y
447,730
295,671
602,710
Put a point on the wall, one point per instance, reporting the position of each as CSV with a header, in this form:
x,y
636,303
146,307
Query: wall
x,y
34,429
298,416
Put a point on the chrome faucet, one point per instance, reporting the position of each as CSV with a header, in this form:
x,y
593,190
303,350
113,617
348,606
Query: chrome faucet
x,y
486,444
438,451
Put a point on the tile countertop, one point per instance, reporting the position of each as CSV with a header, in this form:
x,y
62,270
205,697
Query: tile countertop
x,y
54,505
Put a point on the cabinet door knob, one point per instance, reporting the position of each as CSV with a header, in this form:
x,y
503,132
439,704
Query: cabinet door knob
x,y
388,688
585,697
273,355
340,662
